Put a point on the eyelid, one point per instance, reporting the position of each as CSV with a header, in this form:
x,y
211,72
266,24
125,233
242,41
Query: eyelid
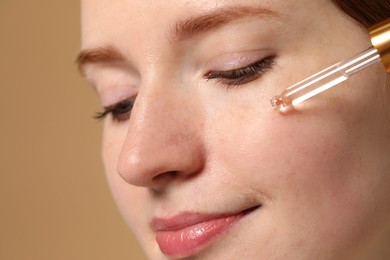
x,y
240,76
221,72
113,84
120,111
237,60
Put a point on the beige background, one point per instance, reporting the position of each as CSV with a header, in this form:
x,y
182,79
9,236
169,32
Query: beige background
x,y
54,201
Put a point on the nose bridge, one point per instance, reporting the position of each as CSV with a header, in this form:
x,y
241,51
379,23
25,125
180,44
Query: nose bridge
x,y
158,116
162,140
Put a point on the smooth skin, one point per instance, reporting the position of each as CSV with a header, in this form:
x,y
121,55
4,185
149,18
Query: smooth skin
x,y
321,173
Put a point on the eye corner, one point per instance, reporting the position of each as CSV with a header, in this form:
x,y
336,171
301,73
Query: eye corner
x,y
99,116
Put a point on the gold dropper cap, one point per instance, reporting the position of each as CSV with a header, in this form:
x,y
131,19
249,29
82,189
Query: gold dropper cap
x,y
380,39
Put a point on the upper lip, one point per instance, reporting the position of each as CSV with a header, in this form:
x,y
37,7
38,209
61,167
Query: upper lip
x,y
186,219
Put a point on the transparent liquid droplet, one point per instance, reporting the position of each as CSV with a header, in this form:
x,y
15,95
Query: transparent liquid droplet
x,y
277,103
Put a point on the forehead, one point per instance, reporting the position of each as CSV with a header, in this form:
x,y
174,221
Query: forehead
x,y
104,20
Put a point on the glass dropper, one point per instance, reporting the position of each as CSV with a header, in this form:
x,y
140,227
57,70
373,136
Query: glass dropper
x,y
324,80
339,72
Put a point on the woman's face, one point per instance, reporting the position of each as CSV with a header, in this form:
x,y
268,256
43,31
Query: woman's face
x,y
204,167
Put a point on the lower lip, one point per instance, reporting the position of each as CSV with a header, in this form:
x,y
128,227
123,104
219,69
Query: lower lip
x,y
192,239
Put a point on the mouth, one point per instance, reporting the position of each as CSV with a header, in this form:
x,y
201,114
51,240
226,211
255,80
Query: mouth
x,y
189,233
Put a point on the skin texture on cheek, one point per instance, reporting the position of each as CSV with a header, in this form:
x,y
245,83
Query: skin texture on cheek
x,y
313,165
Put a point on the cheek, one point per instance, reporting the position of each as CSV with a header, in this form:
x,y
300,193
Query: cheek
x,y
282,151
303,144
299,157
111,146
311,165
309,170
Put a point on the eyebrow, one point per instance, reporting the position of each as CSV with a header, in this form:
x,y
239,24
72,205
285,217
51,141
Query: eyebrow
x,y
182,30
103,54
193,26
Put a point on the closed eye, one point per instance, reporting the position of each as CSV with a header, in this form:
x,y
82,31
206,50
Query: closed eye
x,y
243,75
120,111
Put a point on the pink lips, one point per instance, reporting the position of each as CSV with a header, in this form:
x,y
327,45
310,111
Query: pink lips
x,y
188,233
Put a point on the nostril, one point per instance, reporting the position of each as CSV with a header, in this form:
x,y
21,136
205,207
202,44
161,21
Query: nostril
x,y
165,176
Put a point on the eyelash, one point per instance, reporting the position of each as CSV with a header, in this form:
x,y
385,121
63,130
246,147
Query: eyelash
x,y
237,77
120,111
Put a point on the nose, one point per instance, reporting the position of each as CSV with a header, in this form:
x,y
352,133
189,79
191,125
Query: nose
x,y
163,141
